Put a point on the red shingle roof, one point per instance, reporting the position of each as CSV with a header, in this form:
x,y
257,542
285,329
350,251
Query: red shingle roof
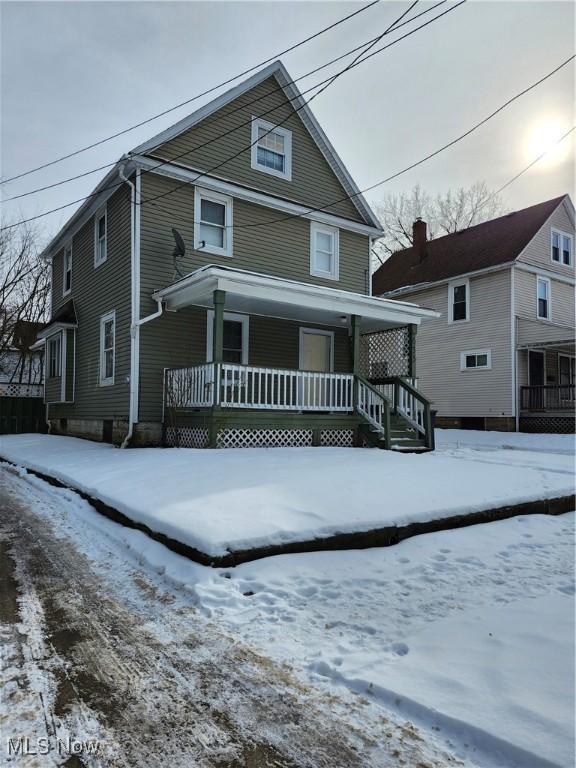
x,y
485,245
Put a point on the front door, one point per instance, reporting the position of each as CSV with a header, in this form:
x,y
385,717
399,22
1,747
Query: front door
x,y
536,379
316,354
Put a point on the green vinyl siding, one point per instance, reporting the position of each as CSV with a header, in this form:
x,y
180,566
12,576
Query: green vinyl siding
x,y
178,339
280,248
97,291
313,182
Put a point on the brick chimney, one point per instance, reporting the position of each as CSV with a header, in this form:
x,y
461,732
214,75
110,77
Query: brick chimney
x,y
419,239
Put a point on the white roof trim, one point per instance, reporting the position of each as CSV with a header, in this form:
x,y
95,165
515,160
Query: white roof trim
x,y
279,71
197,285
55,328
218,184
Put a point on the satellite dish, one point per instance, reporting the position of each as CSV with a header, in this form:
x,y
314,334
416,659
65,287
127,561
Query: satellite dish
x,y
179,251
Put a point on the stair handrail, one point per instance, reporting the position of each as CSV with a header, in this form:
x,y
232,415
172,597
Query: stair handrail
x,y
426,428
380,421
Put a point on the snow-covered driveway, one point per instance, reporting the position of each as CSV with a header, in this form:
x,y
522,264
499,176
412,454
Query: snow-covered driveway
x,y
99,647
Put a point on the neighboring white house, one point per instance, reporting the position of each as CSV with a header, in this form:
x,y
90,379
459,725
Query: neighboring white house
x,y
501,356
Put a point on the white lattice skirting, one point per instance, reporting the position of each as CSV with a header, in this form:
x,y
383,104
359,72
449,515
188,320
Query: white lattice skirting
x,y
14,389
187,437
264,438
338,438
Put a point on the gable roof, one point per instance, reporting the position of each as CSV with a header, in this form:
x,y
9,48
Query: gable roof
x,y
108,184
278,71
485,245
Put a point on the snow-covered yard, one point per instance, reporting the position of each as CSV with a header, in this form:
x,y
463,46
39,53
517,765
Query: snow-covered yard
x,y
230,500
467,634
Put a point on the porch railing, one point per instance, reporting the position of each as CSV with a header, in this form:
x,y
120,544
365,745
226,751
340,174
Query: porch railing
x,y
375,408
228,385
247,386
558,397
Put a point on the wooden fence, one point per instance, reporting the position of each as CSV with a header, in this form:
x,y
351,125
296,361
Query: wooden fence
x,y
22,414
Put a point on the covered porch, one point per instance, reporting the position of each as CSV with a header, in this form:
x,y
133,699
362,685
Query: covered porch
x,y
368,397
546,368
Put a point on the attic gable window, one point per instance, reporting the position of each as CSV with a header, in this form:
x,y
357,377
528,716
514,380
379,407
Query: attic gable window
x,y
459,301
271,149
562,247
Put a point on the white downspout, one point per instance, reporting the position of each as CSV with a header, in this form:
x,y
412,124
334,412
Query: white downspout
x,y
513,352
136,322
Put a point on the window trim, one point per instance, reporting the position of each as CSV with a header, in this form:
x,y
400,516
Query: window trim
x,y
52,339
258,122
476,352
107,381
451,286
207,194
315,228
67,249
103,212
561,234
546,280
235,317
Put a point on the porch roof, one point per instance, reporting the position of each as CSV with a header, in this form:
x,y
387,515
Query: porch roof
x,y
254,293
537,333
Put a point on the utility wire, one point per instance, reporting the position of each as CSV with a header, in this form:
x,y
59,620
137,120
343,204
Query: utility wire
x,y
165,162
362,46
436,152
193,98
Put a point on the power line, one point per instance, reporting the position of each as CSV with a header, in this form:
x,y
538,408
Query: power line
x,y
362,46
165,162
418,162
530,165
328,80
193,98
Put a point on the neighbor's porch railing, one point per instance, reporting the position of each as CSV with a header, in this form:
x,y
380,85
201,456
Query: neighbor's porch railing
x,y
247,386
558,397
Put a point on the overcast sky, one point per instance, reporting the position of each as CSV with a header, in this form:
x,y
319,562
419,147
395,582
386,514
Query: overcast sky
x,y
74,72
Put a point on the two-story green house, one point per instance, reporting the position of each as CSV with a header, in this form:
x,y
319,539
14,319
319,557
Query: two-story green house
x,y
253,322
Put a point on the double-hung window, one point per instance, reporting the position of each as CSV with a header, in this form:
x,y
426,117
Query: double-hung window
x,y
235,337
458,301
107,348
476,359
100,237
562,247
324,251
54,356
543,298
271,149
67,270
212,222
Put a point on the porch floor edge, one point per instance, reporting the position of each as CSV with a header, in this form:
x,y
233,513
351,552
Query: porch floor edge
x,y
377,537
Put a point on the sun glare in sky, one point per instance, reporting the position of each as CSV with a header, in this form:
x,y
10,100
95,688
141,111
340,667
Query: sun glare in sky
x,y
544,136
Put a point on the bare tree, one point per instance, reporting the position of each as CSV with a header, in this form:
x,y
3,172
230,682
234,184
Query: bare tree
x,y
444,213
24,293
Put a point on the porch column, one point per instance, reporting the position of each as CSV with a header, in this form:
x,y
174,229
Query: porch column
x,y
412,352
355,326
218,327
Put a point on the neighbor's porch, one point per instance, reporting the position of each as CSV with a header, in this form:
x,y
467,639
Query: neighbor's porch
x,y
226,401
547,389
